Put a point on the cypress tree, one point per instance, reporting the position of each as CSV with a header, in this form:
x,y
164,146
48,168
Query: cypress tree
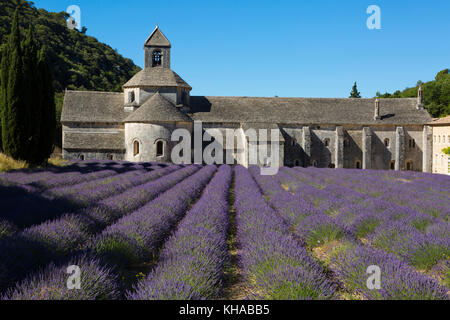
x,y
47,108
32,95
15,137
355,93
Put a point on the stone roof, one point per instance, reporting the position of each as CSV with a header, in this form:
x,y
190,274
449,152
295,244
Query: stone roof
x,y
93,106
156,77
157,109
157,39
88,107
306,110
94,141
441,121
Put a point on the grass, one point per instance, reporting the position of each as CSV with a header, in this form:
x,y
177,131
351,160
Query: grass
x,y
8,163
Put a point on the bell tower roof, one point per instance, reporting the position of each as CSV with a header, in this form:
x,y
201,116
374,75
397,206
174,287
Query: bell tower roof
x,y
157,39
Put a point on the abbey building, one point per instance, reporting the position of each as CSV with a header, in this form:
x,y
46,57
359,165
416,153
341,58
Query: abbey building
x,y
137,124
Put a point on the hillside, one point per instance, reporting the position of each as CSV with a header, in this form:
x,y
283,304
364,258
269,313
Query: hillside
x,y
78,61
436,94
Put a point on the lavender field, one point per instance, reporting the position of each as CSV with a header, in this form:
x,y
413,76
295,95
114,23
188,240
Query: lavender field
x,y
152,231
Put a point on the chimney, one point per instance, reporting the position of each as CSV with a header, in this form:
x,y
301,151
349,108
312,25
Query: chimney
x,y
420,98
377,110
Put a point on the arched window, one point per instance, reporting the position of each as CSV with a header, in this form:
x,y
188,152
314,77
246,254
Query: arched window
x,y
110,157
326,142
136,147
156,58
82,157
393,165
297,163
387,143
159,148
358,164
315,163
131,96
293,142
409,166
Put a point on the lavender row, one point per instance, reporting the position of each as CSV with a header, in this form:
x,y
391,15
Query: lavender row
x,y
33,208
192,260
54,240
135,238
273,262
389,227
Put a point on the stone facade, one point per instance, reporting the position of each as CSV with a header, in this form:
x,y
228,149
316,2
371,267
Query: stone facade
x,y
138,124
440,138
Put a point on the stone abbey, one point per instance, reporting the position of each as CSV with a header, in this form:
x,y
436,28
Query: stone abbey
x,y
137,124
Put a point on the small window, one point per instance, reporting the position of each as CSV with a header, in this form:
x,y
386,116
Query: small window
x,y
156,58
315,163
332,166
387,143
358,164
110,157
297,163
82,157
136,148
159,149
409,166
293,142
326,142
346,142
393,165
414,143
131,96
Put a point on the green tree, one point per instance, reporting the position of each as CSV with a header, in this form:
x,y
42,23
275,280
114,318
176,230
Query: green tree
x,y
355,93
47,108
15,137
31,94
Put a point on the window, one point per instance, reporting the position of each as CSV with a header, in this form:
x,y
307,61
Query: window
x,y
293,142
439,140
297,163
358,164
315,164
135,148
156,58
82,157
159,148
346,142
326,142
131,96
110,157
332,166
409,166
412,143
393,165
387,143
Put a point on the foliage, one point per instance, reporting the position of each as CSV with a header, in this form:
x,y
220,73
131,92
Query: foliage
x,y
446,151
436,94
77,61
355,93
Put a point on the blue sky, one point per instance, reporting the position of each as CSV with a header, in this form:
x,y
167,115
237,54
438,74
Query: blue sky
x,y
286,48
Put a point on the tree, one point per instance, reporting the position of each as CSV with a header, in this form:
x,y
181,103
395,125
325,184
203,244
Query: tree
x,y
15,137
47,108
355,93
31,93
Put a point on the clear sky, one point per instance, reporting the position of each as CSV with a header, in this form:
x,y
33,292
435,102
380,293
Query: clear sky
x,y
299,48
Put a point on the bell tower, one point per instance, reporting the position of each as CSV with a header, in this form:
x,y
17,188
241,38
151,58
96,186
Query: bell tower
x,y
157,50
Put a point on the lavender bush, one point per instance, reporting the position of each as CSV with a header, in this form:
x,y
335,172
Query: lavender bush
x,y
193,258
